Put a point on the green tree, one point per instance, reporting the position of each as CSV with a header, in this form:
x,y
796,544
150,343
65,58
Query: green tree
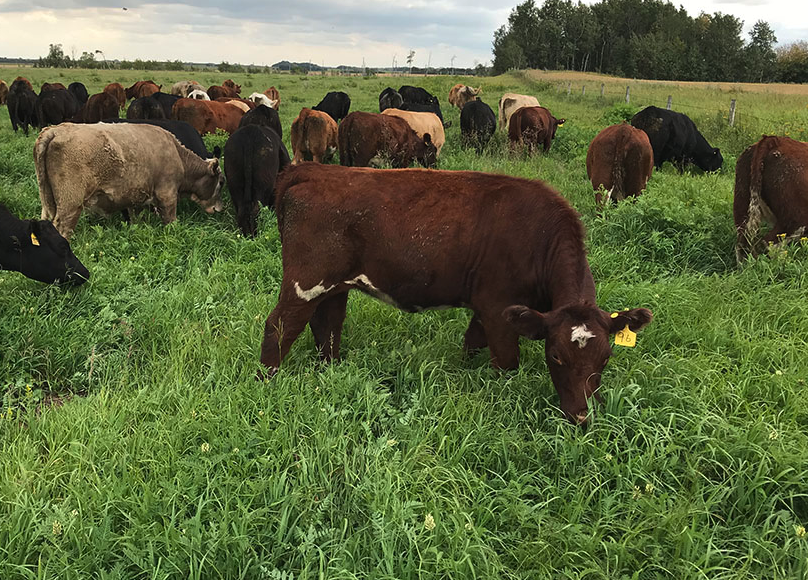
x,y
759,56
56,58
792,62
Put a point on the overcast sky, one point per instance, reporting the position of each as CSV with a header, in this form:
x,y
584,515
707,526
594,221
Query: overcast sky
x,y
324,32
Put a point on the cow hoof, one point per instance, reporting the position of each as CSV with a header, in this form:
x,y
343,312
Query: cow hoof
x,y
265,374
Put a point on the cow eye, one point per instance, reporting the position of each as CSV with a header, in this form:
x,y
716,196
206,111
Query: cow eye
x,y
556,359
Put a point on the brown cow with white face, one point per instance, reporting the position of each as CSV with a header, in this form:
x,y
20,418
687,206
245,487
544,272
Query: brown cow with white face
x,y
509,249
620,159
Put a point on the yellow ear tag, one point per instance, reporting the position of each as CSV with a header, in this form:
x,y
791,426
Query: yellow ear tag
x,y
625,337
34,241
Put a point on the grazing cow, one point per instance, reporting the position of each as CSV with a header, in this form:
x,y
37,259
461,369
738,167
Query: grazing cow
x,y
207,116
253,157
166,101
262,99
336,104
184,88
145,108
52,87
3,92
619,159
36,250
142,89
272,94
477,124
266,117
21,103
509,103
675,138
216,91
199,95
771,185
229,84
533,126
79,91
417,95
390,98
243,104
422,124
509,249
185,134
462,94
55,106
111,167
98,107
117,91
314,136
366,139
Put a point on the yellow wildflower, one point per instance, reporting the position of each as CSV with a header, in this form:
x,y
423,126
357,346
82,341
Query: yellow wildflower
x,y
429,522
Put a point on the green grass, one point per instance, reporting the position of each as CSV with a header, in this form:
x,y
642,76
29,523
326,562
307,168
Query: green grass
x,y
144,448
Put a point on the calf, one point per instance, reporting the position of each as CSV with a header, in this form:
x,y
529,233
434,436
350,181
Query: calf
x,y
314,137
421,239
36,250
264,116
21,103
253,157
207,116
366,139
675,138
145,108
336,104
477,124
510,103
390,98
620,160
55,106
422,124
533,126
462,94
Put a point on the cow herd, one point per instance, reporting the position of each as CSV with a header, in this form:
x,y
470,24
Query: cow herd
x,y
509,249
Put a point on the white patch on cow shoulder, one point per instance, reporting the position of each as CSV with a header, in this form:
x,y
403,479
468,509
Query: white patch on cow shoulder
x,y
362,282
314,292
581,334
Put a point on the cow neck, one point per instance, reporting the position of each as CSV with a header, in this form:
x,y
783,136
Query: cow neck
x,y
567,274
192,163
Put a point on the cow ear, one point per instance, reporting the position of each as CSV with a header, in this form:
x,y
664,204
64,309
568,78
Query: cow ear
x,y
636,319
526,321
427,139
34,231
214,165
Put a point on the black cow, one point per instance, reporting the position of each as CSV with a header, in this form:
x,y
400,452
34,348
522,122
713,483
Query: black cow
x,y
21,103
145,108
336,104
55,106
79,91
264,116
166,101
184,132
417,95
253,157
390,98
35,249
428,108
477,124
675,138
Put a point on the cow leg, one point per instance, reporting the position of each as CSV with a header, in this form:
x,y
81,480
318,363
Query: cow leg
x,y
167,206
286,321
502,341
475,339
326,325
65,221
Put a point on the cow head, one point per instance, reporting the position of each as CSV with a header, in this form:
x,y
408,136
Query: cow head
x,y
576,347
206,190
39,252
712,161
425,151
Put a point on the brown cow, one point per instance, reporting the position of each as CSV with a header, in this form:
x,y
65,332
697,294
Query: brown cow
x,y
422,239
3,92
771,185
243,104
46,87
314,136
365,139
462,94
97,108
509,103
273,95
207,116
620,159
142,89
117,91
228,84
217,92
533,126
422,123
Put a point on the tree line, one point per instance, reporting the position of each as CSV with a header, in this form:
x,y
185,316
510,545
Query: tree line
x,y
648,39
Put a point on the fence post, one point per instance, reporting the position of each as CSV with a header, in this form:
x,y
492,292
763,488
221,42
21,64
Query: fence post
x,y
602,88
583,90
732,113
569,87
670,102
628,94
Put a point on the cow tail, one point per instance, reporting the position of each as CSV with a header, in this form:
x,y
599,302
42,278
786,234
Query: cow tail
x,y
757,207
46,196
619,171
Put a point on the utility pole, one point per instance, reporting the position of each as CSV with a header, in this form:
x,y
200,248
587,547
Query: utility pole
x,y
454,56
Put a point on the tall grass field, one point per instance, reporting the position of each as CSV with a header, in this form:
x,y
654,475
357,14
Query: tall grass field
x,y
135,442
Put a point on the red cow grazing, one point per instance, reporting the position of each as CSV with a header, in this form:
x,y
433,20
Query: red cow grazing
x,y
273,95
533,126
51,87
366,139
510,249
97,108
771,185
117,91
621,160
3,92
142,89
314,136
228,84
217,92
207,116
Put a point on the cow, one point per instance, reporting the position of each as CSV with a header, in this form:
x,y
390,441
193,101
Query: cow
x,y
509,103
98,107
390,98
117,91
366,139
79,91
417,95
509,249
477,124
145,108
459,95
771,185
142,89
433,108
36,250
314,136
185,134
216,91
675,138
207,116
243,104
261,99
336,104
266,117
3,92
112,167
272,94
199,95
52,87
229,84
533,126
55,106
21,103
422,124
166,101
619,160
253,157
184,88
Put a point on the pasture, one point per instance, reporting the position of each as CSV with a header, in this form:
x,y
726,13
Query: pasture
x,y
136,442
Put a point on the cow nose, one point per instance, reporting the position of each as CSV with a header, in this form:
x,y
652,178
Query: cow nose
x,y
581,419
